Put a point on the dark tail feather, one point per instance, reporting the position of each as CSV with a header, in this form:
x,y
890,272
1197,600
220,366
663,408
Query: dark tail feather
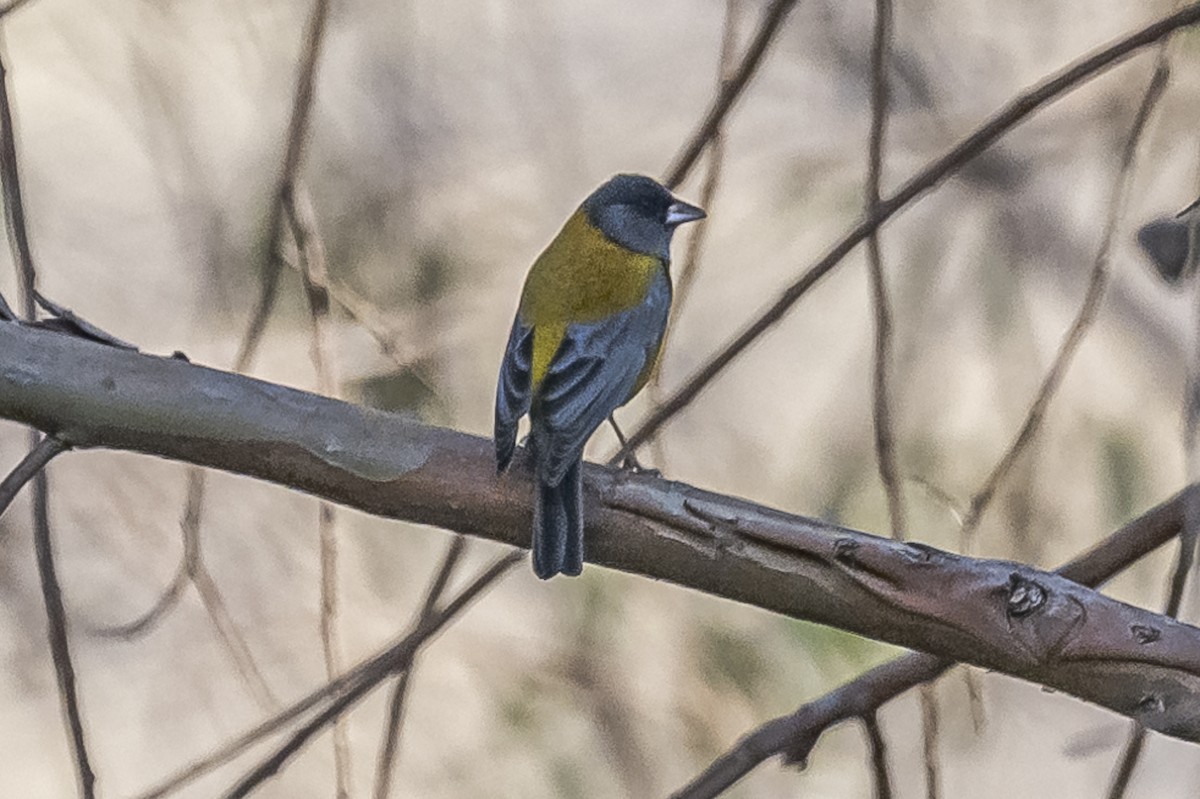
x,y
558,526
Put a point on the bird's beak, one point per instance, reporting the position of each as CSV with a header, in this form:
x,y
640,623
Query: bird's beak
x,y
680,212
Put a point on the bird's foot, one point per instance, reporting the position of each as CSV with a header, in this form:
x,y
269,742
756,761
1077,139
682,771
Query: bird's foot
x,y
630,465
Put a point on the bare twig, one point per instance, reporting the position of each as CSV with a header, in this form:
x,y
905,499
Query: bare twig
x,y
68,320
930,729
40,450
386,761
1087,311
310,255
686,274
1017,110
885,448
731,89
878,750
885,452
1130,755
231,637
30,465
399,658
14,207
139,626
402,349
56,618
192,569
794,735
297,134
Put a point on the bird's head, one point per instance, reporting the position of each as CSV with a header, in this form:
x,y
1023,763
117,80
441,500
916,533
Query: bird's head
x,y
638,213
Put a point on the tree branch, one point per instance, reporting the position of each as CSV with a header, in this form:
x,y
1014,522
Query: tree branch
x,y
995,614
56,628
30,465
795,734
878,750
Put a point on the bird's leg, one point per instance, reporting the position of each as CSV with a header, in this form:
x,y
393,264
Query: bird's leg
x,y
630,461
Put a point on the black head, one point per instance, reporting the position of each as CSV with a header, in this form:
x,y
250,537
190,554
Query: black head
x,y
638,213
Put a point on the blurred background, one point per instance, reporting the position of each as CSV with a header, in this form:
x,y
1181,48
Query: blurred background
x,y
448,143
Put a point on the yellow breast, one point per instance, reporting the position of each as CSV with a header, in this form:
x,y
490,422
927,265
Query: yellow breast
x,y
582,276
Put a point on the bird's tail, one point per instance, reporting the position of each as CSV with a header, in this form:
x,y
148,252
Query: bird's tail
x,y
558,525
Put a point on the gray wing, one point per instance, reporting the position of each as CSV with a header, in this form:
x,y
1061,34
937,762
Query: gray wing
x,y
593,374
512,391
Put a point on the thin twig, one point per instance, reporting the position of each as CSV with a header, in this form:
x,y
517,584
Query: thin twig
x,y
400,658
310,255
192,569
399,347
214,602
56,628
139,626
885,451
772,22
386,761
69,321
685,276
877,747
1017,110
885,448
30,465
14,207
931,725
227,630
40,450
1087,311
297,134
795,734
1130,755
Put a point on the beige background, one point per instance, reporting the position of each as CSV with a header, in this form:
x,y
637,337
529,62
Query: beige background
x,y
449,142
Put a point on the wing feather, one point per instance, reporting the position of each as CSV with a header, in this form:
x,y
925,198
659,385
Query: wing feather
x,y
513,391
595,371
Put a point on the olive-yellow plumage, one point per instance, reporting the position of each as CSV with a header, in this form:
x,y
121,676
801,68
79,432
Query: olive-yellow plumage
x,y
582,276
586,338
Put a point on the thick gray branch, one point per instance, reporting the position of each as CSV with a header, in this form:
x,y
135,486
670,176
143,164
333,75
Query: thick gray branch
x,y
1004,616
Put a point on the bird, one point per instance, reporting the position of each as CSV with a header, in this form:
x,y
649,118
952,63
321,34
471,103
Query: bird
x,y
586,338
